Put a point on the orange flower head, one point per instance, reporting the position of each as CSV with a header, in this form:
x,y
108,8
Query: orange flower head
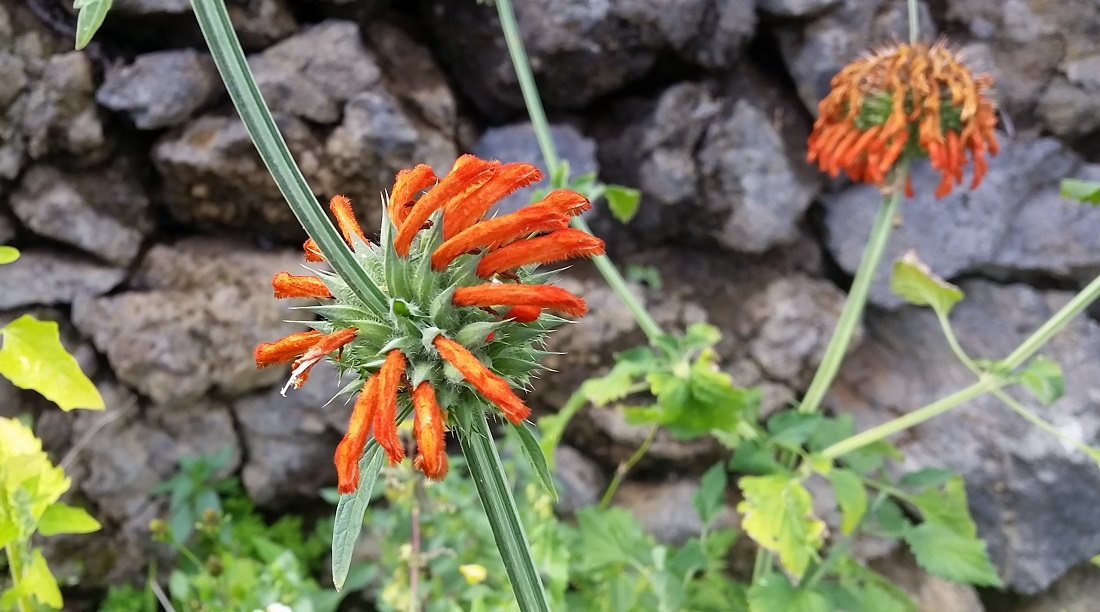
x,y
906,101
465,315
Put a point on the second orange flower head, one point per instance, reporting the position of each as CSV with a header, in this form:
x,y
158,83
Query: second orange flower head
x,y
466,314
906,100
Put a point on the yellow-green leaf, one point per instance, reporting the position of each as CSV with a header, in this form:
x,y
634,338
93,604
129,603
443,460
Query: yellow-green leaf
x,y
32,358
63,518
90,15
1043,377
851,496
1087,192
916,284
38,582
778,515
8,254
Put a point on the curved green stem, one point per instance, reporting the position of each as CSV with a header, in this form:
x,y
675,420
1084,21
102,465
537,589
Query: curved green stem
x,y
1038,421
492,486
1035,341
857,296
914,22
625,467
550,155
953,342
226,50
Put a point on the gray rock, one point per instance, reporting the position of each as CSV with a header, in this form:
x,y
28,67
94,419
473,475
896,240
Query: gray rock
x,y
582,50
313,73
517,143
170,23
410,72
1076,591
43,277
190,324
1014,222
1032,495
103,211
754,188
161,89
59,115
7,230
290,439
1069,110
816,50
23,56
581,482
665,509
795,8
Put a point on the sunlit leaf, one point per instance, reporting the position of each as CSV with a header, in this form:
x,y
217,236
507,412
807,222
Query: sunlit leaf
x,y
90,16
1043,378
349,515
916,284
62,518
778,515
32,358
791,429
622,201
851,496
8,254
947,507
1087,192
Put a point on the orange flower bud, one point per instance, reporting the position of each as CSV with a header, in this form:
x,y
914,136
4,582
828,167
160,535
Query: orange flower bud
x,y
557,246
290,286
351,447
285,349
519,224
313,252
463,212
468,173
492,387
345,219
405,186
542,296
428,429
385,414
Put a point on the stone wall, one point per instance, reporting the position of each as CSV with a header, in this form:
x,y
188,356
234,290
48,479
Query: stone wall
x,y
150,230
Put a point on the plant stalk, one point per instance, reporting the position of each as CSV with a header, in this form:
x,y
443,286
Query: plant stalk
x,y
625,467
14,552
857,296
914,22
500,507
541,126
1046,331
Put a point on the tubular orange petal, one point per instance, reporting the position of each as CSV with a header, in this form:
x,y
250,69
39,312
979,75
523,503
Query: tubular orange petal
x,y
385,415
564,200
327,344
345,219
288,285
405,186
559,245
313,252
428,429
492,387
351,446
524,314
464,212
521,223
542,296
467,171
285,349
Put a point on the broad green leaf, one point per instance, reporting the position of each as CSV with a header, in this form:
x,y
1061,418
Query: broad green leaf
x,y
947,507
38,581
611,537
1043,377
63,518
878,599
690,558
622,201
947,554
851,496
829,431
752,457
916,284
791,429
91,14
890,520
927,477
8,531
701,399
1087,192
349,515
871,457
536,458
32,358
8,254
778,515
772,593
699,336
711,495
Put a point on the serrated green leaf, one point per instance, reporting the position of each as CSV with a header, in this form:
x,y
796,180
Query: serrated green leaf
x,y
916,284
1043,378
851,496
829,431
38,582
778,515
947,554
8,254
531,449
90,16
32,358
611,537
890,520
947,507
927,477
878,599
63,518
622,201
772,593
1086,192
711,495
700,336
349,514
753,457
791,429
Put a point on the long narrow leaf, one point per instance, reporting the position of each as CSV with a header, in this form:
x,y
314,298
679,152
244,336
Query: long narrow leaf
x,y
229,58
349,514
536,458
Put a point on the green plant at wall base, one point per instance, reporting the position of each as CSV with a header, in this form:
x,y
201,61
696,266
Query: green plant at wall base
x,y
194,489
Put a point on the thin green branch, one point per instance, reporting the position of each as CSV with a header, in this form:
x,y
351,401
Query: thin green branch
x,y
226,50
625,467
496,497
1035,341
550,155
14,551
953,342
839,549
1039,422
914,22
857,296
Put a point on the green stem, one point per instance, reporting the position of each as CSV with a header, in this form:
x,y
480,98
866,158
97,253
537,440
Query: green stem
x,y
626,466
953,342
761,564
857,296
1035,341
914,22
496,497
841,548
229,58
1036,420
985,384
550,155
14,552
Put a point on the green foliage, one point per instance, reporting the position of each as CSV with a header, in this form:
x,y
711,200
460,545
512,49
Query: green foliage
x,y
621,201
1086,192
773,592
778,515
1043,378
649,275
8,254
851,496
916,284
90,15
194,490
32,358
349,515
